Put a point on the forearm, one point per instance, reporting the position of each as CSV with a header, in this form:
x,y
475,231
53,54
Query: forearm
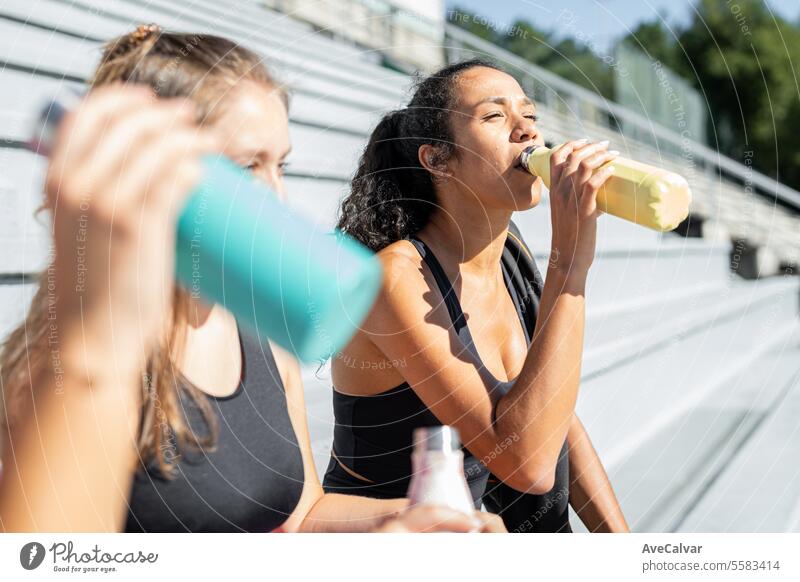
x,y
590,491
539,407
348,513
67,465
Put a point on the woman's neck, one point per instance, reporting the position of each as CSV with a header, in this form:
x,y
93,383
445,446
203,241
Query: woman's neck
x,y
211,357
200,313
472,241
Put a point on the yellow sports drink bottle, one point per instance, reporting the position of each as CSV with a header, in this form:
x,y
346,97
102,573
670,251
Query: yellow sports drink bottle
x,y
637,192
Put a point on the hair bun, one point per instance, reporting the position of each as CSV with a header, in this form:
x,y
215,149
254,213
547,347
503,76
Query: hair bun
x,y
143,32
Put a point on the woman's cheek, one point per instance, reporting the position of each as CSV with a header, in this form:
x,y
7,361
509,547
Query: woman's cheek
x,y
495,160
491,169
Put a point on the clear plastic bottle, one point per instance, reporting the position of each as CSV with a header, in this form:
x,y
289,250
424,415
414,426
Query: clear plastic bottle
x,y
643,194
438,470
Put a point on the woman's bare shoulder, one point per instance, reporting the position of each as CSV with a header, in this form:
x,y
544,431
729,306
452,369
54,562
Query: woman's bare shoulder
x,y
409,295
400,254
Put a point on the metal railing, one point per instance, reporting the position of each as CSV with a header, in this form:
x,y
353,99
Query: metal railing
x,y
410,39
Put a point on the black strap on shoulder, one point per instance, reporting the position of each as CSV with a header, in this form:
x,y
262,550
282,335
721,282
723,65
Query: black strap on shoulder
x,y
525,276
445,288
517,260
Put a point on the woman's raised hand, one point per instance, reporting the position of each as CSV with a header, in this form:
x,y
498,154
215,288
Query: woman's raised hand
x,y
574,183
121,167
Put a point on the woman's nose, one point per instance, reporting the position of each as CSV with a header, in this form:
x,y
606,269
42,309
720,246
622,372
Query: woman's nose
x,y
525,130
274,181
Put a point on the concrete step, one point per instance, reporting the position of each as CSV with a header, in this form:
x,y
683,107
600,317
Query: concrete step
x,y
626,404
24,237
23,93
629,275
662,484
650,327
758,488
14,299
631,319
283,30
280,31
43,51
38,49
111,18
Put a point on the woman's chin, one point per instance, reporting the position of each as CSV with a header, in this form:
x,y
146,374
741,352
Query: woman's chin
x,y
536,192
531,196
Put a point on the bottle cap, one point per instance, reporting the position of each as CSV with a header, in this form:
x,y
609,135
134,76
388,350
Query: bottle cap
x,y
43,132
437,438
525,156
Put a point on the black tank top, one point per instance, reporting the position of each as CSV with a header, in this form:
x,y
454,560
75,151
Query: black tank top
x,y
373,434
252,481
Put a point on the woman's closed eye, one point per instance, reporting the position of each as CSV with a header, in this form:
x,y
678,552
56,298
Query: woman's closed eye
x,y
253,166
533,117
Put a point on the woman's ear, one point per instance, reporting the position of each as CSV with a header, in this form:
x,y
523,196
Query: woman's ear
x,y
430,158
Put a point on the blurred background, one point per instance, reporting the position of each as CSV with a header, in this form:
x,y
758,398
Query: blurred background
x,y
690,385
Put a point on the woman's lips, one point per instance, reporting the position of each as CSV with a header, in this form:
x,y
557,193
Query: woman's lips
x,y
518,166
519,161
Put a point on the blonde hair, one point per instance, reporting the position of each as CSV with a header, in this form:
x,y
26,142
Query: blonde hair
x,y
203,68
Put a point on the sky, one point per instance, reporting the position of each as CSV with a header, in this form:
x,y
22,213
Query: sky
x,y
599,23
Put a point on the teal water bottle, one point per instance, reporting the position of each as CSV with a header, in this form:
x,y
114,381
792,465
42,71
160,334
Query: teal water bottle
x,y
304,287
283,276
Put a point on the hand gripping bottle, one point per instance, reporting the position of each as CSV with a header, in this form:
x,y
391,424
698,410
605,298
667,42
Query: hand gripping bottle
x,y
438,470
281,275
637,192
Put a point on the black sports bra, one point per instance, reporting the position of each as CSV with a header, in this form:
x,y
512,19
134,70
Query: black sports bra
x,y
254,478
371,453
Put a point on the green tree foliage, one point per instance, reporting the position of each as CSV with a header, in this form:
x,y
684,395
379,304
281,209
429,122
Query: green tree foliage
x,y
564,56
745,61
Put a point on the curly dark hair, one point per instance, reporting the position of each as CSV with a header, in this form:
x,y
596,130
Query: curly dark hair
x,y
392,195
